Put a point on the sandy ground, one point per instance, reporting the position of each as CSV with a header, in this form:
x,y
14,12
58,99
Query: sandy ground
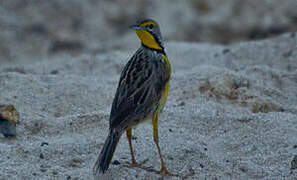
x,y
231,114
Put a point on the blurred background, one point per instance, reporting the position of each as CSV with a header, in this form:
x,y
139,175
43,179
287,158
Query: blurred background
x,y
32,30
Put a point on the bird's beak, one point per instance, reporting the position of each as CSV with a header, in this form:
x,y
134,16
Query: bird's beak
x,y
137,27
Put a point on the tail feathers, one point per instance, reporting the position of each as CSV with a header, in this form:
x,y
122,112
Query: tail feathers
x,y
106,153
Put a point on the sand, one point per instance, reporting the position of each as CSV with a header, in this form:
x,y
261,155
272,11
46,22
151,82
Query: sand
x,y
230,114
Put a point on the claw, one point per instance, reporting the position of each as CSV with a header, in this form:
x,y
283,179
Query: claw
x,y
164,172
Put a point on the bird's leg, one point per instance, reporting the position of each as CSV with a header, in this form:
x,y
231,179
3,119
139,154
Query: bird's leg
x,y
129,137
156,140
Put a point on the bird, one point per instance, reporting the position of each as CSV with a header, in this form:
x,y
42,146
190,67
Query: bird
x,y
140,96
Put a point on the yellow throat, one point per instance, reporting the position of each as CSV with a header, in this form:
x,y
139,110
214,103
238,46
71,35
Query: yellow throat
x,y
148,40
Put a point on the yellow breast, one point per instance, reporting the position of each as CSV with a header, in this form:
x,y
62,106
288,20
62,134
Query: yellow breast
x,y
164,97
167,86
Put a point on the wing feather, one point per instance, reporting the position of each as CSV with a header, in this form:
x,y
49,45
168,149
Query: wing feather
x,y
140,89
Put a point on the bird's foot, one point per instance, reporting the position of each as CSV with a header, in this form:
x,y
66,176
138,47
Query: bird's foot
x,y
164,172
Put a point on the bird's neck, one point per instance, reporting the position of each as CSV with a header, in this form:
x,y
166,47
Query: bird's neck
x,y
161,51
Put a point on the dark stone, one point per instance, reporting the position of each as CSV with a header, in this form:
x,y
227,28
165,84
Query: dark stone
x,y
41,156
54,72
181,103
225,51
44,143
116,162
7,129
294,163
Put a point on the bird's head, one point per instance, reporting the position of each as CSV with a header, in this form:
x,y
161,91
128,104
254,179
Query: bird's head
x,y
149,33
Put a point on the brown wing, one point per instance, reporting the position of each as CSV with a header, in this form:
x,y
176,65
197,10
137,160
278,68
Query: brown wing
x,y
139,91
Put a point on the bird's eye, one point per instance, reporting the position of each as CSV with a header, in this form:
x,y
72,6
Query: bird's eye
x,y
150,26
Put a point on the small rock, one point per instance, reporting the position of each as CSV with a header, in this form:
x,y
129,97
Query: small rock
x,y
243,169
41,156
294,163
9,113
168,157
44,143
54,72
58,114
55,172
9,118
225,51
75,163
181,103
7,129
116,162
